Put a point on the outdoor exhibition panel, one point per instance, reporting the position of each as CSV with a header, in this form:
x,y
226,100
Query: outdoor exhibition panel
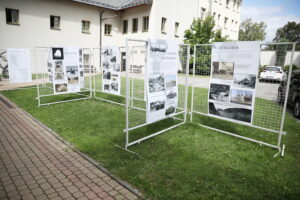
x,y
63,73
240,82
157,92
16,69
108,78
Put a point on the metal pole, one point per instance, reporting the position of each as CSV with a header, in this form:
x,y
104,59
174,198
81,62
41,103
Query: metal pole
x,y
193,88
127,95
186,81
286,96
38,87
90,74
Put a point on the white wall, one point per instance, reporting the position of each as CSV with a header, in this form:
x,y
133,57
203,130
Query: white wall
x,y
269,58
34,29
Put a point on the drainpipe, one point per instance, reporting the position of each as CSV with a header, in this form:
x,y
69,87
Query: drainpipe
x,y
101,15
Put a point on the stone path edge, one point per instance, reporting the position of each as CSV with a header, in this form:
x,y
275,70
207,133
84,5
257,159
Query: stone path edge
x,y
84,156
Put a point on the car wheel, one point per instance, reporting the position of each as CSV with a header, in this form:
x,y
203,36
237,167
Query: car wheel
x,y
297,108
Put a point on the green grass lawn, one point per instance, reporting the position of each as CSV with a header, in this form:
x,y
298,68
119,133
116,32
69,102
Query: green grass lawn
x,y
186,163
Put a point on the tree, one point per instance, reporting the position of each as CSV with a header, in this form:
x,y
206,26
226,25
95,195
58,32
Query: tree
x,y
289,33
251,31
202,32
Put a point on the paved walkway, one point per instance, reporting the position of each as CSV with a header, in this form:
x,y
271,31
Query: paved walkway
x,y
34,164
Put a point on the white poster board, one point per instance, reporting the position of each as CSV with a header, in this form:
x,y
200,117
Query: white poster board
x,y
19,65
162,89
233,80
65,70
111,66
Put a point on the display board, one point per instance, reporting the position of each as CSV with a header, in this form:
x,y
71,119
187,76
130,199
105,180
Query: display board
x,y
161,73
111,80
233,80
19,65
65,72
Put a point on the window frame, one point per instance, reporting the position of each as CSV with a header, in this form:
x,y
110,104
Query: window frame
x,y
144,18
176,29
82,26
55,28
133,25
18,16
163,25
108,25
225,22
123,27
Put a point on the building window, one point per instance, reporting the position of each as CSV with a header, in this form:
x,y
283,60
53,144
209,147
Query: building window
x,y
227,3
125,26
234,4
232,25
225,22
12,16
55,22
145,24
135,25
176,29
163,24
202,14
107,29
85,26
238,6
220,2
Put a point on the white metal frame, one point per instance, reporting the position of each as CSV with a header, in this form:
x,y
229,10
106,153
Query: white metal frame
x,y
44,76
279,146
129,101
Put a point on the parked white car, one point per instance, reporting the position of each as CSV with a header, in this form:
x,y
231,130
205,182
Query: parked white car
x,y
272,73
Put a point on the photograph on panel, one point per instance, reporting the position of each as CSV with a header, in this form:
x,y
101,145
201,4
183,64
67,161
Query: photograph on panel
x,y
243,97
223,70
106,75
170,110
219,92
61,87
72,74
170,81
245,80
157,105
58,67
57,53
156,83
230,111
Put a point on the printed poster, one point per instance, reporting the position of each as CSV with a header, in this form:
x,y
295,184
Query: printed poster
x,y
233,80
65,70
19,65
111,71
162,89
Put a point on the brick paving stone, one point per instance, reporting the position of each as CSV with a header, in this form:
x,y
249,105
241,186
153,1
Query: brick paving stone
x,y
34,164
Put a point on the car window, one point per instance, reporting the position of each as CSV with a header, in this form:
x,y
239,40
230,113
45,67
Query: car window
x,y
275,69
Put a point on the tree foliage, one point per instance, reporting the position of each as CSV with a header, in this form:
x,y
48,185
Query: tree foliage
x,y
202,32
252,31
289,33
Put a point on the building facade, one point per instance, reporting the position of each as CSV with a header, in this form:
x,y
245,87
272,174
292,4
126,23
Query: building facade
x,y
45,23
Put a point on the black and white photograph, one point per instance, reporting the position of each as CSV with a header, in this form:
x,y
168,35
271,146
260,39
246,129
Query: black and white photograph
x,y
116,67
59,76
61,87
170,81
81,74
57,53
171,94
243,97
245,80
159,46
106,87
157,105
105,64
156,83
113,59
107,52
231,112
219,92
223,70
58,67
72,74
114,86
80,55
106,75
170,110
49,66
